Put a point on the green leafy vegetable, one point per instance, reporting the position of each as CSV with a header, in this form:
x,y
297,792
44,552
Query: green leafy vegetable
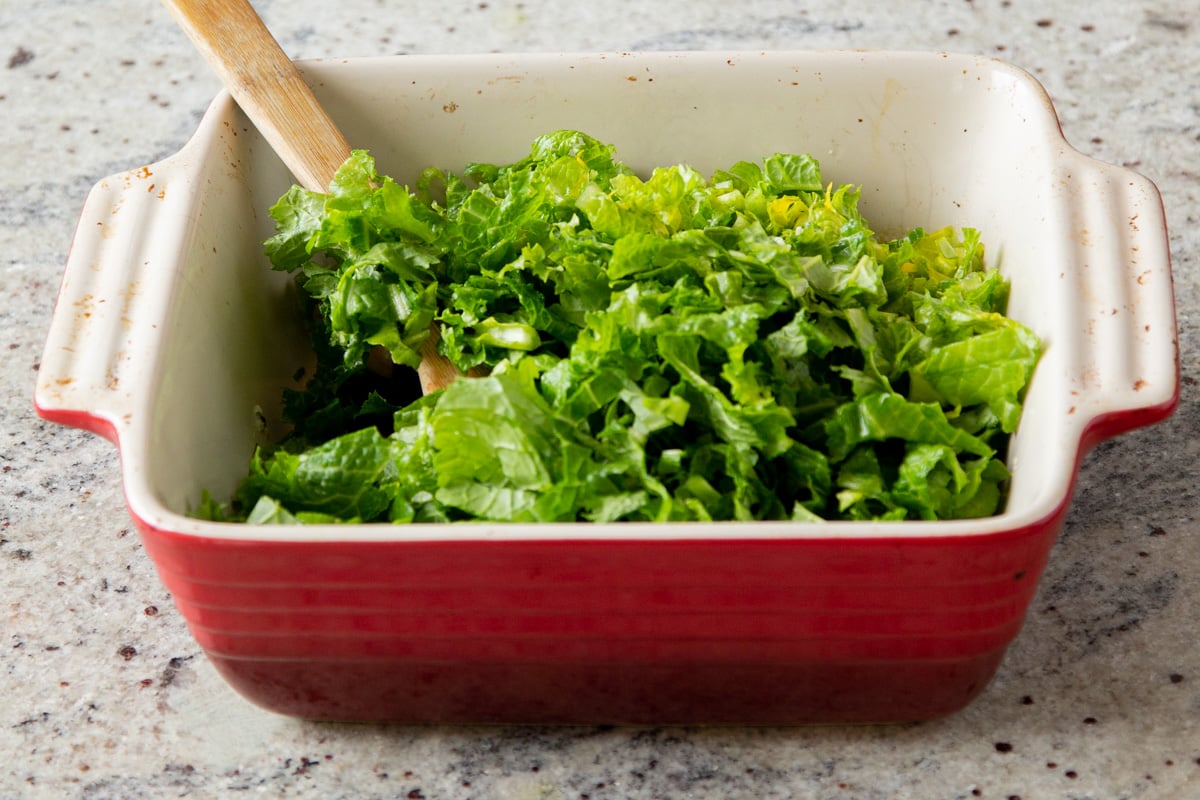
x,y
662,348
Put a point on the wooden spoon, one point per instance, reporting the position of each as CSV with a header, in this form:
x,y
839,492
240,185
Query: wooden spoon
x,y
232,38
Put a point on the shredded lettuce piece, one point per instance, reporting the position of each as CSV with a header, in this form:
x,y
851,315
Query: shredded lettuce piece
x,y
658,348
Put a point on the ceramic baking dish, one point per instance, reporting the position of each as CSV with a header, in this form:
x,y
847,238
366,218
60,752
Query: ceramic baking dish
x,y
173,338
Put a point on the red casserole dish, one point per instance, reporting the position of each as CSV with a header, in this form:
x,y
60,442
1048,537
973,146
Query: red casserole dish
x,y
173,338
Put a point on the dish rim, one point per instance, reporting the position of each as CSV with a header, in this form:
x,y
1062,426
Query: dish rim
x,y
1085,430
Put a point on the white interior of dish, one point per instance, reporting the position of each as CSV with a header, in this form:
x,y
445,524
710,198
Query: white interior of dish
x,y
933,140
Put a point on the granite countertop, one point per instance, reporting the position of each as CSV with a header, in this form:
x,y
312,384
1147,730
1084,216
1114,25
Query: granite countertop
x,y
106,695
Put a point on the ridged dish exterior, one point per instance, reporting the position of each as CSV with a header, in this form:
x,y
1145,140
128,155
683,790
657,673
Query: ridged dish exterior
x,y
746,630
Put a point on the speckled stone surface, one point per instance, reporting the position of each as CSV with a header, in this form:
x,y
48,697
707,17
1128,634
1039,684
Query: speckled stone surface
x,y
103,693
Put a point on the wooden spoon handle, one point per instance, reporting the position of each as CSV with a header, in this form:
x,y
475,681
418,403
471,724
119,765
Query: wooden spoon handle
x,y
232,38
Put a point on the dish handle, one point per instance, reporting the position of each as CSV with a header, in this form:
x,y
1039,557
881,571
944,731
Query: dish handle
x,y
102,338
1127,373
